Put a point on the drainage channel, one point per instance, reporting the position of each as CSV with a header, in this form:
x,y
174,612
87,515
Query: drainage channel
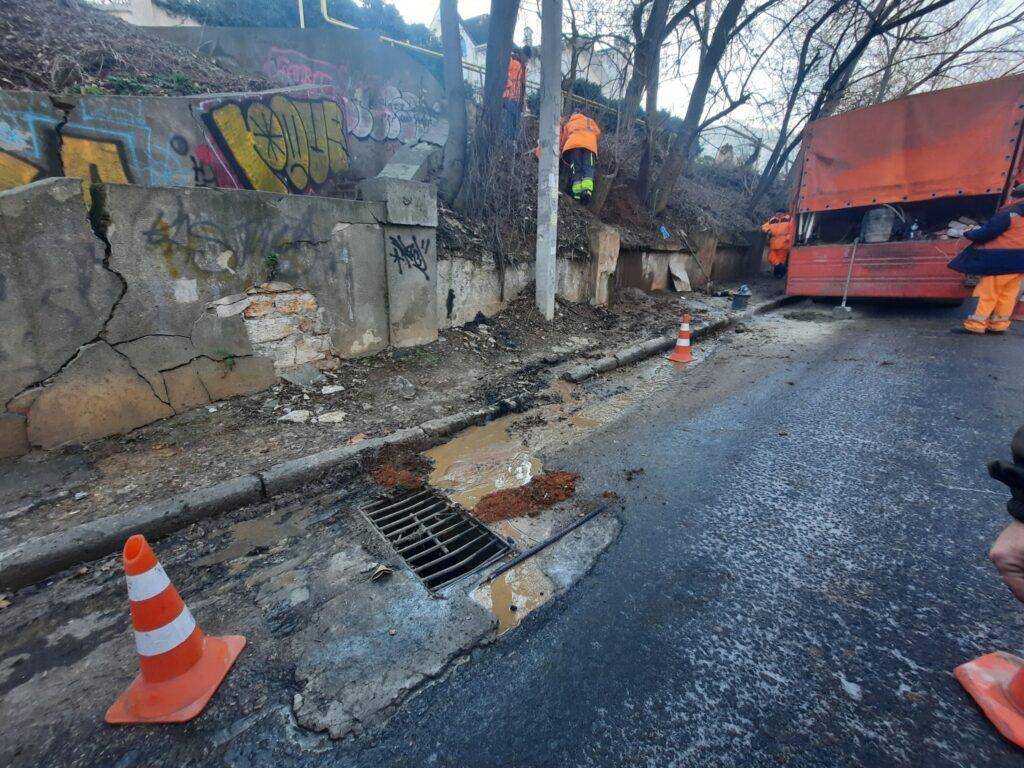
x,y
437,540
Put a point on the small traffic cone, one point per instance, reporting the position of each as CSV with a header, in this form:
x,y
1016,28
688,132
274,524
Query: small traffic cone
x,y
681,354
996,682
181,666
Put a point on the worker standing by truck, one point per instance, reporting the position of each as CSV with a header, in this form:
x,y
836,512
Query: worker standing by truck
x,y
996,253
780,238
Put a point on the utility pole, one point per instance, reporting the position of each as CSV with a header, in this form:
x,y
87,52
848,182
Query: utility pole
x,y
547,173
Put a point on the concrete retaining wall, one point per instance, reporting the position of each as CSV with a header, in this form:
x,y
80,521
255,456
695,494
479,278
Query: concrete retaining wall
x,y
332,123
178,297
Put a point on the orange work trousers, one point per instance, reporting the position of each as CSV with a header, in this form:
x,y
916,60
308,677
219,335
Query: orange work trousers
x,y
777,256
997,296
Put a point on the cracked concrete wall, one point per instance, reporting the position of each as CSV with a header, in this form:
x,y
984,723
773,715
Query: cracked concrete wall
x,y
143,315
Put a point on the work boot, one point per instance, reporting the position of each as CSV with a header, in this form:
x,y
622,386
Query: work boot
x,y
779,270
585,198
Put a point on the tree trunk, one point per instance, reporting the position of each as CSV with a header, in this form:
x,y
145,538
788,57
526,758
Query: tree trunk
x,y
688,132
643,178
454,164
485,137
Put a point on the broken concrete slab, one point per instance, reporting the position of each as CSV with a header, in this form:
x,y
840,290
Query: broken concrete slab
x,y
184,388
98,393
235,376
604,257
150,355
390,626
305,376
412,203
55,293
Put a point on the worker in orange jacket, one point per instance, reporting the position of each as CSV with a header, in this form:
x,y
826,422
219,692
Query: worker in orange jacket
x,y
514,96
996,252
780,238
578,144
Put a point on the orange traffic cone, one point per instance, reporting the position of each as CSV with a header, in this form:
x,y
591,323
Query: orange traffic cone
x,y
681,354
181,666
996,682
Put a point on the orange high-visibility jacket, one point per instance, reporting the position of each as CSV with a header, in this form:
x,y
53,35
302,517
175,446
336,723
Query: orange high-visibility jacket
x,y
579,132
780,232
516,80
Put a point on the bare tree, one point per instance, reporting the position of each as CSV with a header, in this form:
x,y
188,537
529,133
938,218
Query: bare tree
x,y
499,48
454,164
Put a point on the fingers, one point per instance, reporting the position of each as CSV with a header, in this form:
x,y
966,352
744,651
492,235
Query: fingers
x,y
1007,554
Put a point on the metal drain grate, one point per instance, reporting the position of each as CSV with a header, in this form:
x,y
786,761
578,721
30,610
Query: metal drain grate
x,y
437,540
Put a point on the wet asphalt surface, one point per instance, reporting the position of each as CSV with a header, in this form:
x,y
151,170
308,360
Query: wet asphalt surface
x,y
801,567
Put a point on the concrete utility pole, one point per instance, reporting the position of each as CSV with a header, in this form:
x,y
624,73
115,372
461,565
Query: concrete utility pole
x,y
547,174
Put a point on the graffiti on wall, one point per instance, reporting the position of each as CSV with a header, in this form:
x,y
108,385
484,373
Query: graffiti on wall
x,y
280,143
191,243
373,110
411,255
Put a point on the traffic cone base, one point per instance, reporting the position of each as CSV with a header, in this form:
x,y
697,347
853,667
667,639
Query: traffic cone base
x,y
990,680
180,698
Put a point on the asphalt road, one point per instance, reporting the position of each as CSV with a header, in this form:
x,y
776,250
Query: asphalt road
x,y
801,566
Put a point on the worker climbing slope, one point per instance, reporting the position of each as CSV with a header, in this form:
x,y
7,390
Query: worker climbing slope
x,y
514,95
997,253
779,229
578,141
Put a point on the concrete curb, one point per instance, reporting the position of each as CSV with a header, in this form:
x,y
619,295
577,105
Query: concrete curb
x,y
36,560
637,352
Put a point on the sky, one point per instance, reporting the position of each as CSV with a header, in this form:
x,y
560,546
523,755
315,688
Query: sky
x,y
673,95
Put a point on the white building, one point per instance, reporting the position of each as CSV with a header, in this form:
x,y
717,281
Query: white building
x,y
143,13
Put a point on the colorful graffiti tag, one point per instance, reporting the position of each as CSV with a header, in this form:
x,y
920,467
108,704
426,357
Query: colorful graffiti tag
x,y
373,110
280,143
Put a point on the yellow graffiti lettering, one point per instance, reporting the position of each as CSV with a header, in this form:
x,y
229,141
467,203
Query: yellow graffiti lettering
x,y
334,127
92,161
296,140
285,144
14,171
316,138
254,150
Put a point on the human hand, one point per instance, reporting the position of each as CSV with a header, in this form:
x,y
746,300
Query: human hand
x,y
1007,554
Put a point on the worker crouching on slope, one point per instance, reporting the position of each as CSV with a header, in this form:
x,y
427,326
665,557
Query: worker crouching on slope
x,y
780,238
997,253
578,142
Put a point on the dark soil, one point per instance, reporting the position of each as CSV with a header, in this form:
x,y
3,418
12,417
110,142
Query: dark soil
x,y
65,46
540,493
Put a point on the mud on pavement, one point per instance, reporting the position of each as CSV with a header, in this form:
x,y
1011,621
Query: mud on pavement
x,y
332,651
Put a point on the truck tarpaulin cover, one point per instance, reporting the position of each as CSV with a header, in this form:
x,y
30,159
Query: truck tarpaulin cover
x,y
942,144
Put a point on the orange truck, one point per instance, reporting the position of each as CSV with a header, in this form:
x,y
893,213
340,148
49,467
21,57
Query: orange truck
x,y
903,179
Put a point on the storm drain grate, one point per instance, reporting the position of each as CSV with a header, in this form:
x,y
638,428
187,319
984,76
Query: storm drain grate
x,y
437,540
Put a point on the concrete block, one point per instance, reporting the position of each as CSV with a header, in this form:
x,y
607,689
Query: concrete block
x,y
56,293
449,425
578,374
411,276
184,388
436,134
13,435
241,376
413,163
604,256
631,354
406,202
96,395
150,355
223,497
654,346
306,469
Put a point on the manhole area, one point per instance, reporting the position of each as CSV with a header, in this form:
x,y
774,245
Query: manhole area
x,y
437,540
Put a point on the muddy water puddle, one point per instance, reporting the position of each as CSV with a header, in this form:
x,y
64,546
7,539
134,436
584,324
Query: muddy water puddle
x,y
512,595
248,535
482,460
